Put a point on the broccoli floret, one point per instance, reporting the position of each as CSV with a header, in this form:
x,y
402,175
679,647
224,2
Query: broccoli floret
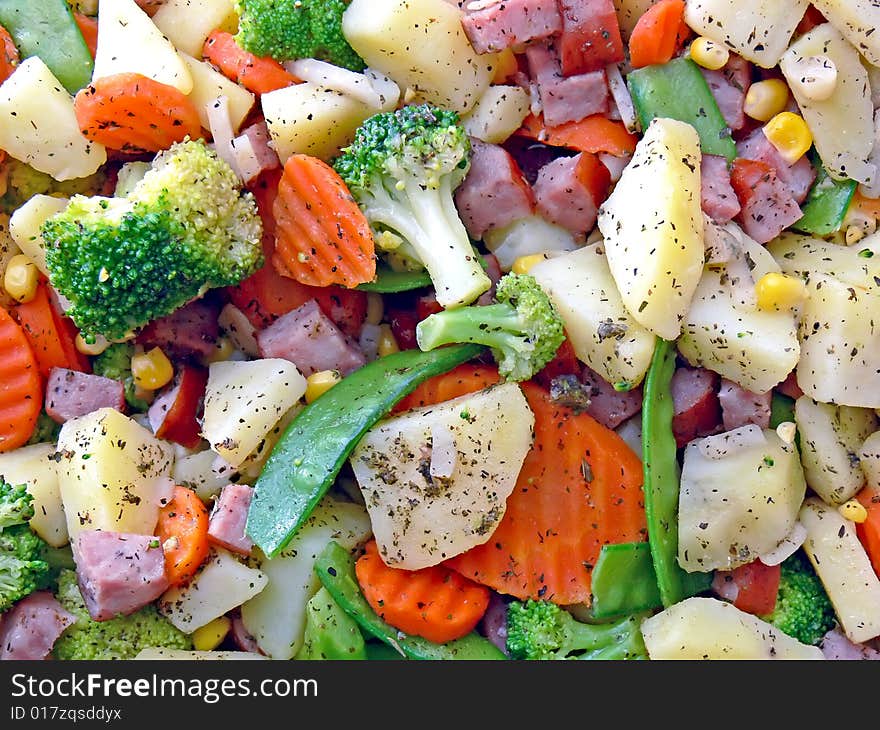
x,y
16,505
541,630
122,637
115,363
46,430
803,609
23,182
402,168
23,568
186,227
290,29
523,328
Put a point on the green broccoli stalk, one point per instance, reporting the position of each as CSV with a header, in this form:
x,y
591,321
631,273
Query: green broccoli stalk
x,y
540,630
523,327
330,632
290,29
23,568
402,168
803,609
122,637
115,363
186,227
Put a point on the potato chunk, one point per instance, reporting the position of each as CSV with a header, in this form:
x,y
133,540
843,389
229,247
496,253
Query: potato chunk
x,y
35,466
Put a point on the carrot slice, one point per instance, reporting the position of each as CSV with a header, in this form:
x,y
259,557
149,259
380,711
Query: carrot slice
x,y
435,603
459,381
21,389
322,237
869,531
52,336
592,134
256,74
183,531
657,33
579,488
89,28
9,56
135,114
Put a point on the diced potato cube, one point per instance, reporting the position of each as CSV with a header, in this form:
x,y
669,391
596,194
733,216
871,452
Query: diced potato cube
x,y
26,223
35,466
498,113
187,23
208,84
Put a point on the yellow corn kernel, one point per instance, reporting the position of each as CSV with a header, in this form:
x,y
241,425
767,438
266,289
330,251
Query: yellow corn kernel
x,y
387,342
524,264
94,348
778,292
319,383
853,510
790,135
765,99
209,636
375,308
707,53
152,369
21,277
223,349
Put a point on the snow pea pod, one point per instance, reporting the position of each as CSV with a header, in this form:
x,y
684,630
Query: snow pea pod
x,y
389,281
312,450
826,204
46,28
335,569
330,632
677,90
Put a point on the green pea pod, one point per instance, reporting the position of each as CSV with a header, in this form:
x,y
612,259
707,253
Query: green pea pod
x,y
46,28
677,90
662,477
826,204
330,632
335,569
388,281
310,453
624,581
781,409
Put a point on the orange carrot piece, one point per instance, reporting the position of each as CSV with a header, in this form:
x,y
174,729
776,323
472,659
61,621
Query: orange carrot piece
x,y
183,531
52,336
656,35
88,26
435,603
256,74
21,389
9,56
133,113
592,134
869,531
322,237
459,381
579,488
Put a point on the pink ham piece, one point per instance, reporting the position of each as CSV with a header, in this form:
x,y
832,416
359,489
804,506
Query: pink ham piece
x,y
798,178
696,409
717,196
590,37
729,86
70,394
563,194
229,517
191,332
836,646
768,207
118,572
510,23
740,407
608,406
565,98
309,339
494,193
243,638
32,626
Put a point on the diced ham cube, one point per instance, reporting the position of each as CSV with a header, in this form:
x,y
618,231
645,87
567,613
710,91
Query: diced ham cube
x,y
608,406
590,37
729,86
70,394
189,332
717,196
229,517
565,98
32,626
768,207
118,572
569,190
798,177
510,23
494,193
696,410
740,407
309,339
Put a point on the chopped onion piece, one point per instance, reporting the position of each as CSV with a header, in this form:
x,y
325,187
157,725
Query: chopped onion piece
x,y
725,444
386,88
220,125
222,468
246,160
328,76
622,100
535,95
481,4
614,164
369,340
444,455
164,490
720,243
790,543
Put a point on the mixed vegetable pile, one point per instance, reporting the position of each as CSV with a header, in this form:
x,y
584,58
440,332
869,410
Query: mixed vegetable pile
x,y
439,329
